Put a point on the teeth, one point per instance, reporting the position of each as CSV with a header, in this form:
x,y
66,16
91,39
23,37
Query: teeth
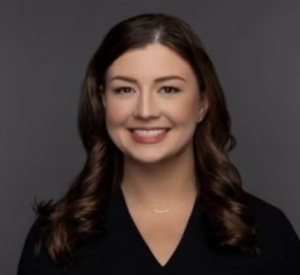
x,y
149,132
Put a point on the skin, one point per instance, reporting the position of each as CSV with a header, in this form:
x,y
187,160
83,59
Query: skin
x,y
160,174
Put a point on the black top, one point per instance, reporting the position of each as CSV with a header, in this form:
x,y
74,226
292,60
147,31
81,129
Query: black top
x,y
124,251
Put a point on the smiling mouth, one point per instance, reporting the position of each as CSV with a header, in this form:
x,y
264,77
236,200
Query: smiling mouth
x,y
140,129
149,136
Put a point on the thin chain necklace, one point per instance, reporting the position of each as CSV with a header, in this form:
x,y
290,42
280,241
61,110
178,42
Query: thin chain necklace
x,y
166,210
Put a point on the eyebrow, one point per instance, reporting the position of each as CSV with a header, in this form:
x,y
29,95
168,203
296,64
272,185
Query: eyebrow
x,y
157,80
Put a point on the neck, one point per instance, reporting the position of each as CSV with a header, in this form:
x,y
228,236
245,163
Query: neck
x,y
160,183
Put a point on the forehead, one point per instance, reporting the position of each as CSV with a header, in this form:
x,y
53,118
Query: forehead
x,y
150,62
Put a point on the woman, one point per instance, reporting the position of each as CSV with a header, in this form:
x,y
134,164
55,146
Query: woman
x,y
158,193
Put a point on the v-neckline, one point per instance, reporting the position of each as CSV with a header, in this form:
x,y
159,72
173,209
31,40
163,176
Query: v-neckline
x,y
145,247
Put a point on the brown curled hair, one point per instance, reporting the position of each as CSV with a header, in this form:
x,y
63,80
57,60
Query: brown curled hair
x,y
81,211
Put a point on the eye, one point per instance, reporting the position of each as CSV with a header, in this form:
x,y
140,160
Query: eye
x,y
118,90
126,90
168,88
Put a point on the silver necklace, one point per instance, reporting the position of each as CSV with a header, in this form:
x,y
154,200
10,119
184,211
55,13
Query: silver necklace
x,y
163,211
166,210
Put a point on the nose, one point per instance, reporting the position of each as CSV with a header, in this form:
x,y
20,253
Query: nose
x,y
146,106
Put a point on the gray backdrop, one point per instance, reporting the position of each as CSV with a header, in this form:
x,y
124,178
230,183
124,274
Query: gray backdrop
x,y
44,50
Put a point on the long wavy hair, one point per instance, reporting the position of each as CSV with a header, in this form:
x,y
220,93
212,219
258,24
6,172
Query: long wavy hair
x,y
81,211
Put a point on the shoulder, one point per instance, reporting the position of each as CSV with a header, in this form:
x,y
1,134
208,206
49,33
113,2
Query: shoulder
x,y
276,233
268,215
27,257
29,263
264,210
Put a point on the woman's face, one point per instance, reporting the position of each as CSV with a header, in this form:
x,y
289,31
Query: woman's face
x,y
136,98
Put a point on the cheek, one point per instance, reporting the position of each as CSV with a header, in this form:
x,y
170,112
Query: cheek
x,y
116,113
184,110
116,116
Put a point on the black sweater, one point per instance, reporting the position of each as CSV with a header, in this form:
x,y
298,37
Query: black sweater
x,y
124,251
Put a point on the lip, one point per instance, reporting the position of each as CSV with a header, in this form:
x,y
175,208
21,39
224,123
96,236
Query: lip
x,y
149,128
149,139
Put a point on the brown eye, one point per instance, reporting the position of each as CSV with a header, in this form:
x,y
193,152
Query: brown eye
x,y
170,88
119,90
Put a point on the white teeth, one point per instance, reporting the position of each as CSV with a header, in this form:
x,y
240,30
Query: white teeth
x,y
149,132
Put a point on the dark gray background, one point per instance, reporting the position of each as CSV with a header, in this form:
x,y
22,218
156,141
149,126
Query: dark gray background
x,y
44,50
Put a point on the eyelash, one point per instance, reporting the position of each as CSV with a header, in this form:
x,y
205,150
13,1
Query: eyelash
x,y
118,90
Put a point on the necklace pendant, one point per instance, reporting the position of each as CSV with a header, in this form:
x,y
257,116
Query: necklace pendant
x,y
161,211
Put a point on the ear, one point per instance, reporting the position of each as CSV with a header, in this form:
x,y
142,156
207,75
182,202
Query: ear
x,y
101,91
203,109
